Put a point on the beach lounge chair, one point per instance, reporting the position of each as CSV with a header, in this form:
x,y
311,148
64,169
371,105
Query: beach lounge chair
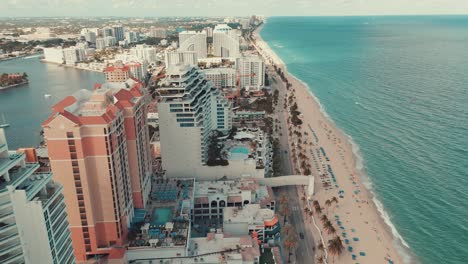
x,y
362,254
353,256
350,249
355,239
346,241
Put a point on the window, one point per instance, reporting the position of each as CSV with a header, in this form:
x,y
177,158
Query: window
x,y
187,125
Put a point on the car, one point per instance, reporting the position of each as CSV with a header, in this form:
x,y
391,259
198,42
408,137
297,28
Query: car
x,y
301,235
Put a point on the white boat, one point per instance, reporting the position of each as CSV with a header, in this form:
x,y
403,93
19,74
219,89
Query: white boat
x,y
47,95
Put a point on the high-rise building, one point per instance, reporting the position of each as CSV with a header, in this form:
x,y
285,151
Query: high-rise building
x,y
194,41
54,54
144,52
221,77
118,32
225,41
180,58
73,55
158,32
90,37
252,71
97,150
100,43
33,220
110,41
190,109
132,36
106,32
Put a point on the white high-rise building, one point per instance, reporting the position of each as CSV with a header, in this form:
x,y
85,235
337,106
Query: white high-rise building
x,y
189,110
132,36
252,72
180,58
34,226
110,41
107,32
90,37
225,42
194,41
100,43
73,55
144,52
54,55
221,77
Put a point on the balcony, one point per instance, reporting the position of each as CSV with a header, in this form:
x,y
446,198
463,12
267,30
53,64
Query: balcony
x,y
8,238
12,160
34,184
18,175
11,258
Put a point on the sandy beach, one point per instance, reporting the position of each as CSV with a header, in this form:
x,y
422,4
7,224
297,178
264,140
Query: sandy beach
x,y
355,217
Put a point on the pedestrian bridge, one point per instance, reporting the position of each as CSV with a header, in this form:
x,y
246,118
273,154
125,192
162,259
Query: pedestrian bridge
x,y
290,180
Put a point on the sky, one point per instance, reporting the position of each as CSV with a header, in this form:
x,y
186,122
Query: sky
x,y
158,8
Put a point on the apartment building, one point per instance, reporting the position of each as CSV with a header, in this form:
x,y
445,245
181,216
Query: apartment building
x,y
33,220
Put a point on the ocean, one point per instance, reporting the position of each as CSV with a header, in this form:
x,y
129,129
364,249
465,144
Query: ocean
x,y
25,107
398,86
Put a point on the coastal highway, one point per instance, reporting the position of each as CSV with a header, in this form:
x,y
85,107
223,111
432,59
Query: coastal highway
x,y
304,251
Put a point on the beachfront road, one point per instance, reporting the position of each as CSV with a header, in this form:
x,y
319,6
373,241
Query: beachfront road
x,y
305,250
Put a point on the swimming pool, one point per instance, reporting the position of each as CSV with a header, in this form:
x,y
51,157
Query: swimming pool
x,y
161,216
238,153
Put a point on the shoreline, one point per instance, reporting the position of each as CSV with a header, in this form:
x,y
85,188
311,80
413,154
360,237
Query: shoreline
x,y
13,85
401,252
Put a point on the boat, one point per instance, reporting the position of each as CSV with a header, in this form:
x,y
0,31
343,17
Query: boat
x,y
4,124
47,95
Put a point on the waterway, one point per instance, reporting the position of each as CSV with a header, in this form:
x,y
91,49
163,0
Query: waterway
x,y
25,107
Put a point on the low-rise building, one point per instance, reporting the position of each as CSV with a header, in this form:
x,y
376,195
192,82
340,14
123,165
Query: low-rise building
x,y
249,219
213,197
242,118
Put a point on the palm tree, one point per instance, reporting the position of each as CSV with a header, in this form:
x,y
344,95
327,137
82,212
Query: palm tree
x,y
328,204
311,214
328,226
324,219
332,230
335,247
320,246
319,260
334,199
318,210
289,239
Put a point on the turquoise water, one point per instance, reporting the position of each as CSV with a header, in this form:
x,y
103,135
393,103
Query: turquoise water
x,y
399,87
25,107
161,216
239,153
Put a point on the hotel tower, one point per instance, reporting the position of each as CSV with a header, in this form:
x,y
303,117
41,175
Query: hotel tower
x,y
99,151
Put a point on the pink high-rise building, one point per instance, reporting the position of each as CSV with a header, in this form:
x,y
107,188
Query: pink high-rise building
x,y
99,149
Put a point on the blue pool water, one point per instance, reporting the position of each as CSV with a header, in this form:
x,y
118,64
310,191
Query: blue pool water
x,y
161,216
399,87
239,153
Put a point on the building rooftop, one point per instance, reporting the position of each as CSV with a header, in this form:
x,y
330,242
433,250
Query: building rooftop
x,y
222,248
250,213
261,194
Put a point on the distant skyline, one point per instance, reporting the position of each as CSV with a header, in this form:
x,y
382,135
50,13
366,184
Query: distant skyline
x,y
159,8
